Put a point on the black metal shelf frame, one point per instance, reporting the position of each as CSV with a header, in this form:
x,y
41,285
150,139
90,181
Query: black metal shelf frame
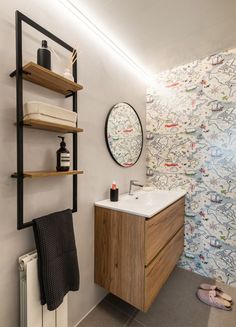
x,y
19,18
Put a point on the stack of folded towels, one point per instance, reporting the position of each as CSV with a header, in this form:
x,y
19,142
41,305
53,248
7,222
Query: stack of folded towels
x,y
45,112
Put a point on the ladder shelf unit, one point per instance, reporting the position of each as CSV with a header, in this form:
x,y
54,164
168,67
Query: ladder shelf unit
x,y
39,75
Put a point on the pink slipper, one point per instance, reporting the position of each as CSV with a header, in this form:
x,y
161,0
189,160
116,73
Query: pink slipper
x,y
219,291
210,298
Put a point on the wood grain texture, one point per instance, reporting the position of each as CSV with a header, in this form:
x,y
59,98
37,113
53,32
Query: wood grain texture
x,y
158,271
42,173
122,242
119,254
33,123
161,228
44,77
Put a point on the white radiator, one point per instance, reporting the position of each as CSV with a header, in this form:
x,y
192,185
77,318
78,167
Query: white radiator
x,y
32,313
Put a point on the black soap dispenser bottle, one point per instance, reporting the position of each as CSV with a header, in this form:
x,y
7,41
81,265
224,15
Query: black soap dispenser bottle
x,y
114,192
63,156
44,56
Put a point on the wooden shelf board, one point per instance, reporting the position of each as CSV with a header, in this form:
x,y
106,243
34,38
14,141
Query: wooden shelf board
x,y
42,173
44,77
51,126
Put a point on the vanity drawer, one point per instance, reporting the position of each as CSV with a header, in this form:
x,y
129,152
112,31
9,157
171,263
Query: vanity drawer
x,y
158,271
161,228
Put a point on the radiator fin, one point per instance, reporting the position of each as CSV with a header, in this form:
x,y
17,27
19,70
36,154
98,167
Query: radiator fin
x,y
32,313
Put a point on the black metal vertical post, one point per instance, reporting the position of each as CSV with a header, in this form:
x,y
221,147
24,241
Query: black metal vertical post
x,y
19,18
75,142
19,118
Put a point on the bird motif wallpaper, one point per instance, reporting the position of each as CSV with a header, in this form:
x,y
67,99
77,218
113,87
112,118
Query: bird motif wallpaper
x,y
191,144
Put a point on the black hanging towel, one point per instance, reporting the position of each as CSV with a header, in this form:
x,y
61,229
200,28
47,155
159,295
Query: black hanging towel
x,y
58,269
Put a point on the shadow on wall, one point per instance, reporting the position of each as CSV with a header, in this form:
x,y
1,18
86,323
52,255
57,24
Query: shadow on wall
x,y
191,144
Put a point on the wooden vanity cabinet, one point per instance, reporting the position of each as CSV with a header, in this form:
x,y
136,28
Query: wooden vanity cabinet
x,y
134,256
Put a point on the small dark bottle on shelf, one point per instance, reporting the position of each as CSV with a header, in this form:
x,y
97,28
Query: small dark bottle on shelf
x,y
44,56
63,157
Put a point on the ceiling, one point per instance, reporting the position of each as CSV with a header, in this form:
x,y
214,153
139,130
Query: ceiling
x,y
161,34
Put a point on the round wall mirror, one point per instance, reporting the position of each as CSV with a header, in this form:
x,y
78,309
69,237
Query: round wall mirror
x,y
124,134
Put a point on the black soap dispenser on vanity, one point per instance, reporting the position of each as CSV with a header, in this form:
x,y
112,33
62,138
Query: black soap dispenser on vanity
x,y
63,156
114,192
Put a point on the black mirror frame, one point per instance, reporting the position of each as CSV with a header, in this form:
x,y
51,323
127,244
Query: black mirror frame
x,y
106,138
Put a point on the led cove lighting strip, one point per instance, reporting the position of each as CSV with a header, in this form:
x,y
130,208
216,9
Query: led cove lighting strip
x,y
74,9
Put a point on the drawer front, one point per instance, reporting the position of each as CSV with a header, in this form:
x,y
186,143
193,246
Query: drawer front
x,y
161,228
158,271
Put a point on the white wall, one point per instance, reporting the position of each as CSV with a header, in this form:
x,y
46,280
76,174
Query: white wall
x,y
107,80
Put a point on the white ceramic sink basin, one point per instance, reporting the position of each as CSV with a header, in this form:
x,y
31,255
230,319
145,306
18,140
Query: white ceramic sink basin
x,y
143,203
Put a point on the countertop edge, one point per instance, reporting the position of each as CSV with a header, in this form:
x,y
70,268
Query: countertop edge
x,y
101,205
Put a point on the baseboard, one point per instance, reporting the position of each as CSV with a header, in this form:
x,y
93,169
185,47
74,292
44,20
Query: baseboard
x,y
76,325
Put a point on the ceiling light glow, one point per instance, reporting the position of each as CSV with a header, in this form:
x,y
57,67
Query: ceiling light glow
x,y
76,9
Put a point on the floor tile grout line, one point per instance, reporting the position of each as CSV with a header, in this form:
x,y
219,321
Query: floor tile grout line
x,y
120,310
126,323
133,319
141,323
130,319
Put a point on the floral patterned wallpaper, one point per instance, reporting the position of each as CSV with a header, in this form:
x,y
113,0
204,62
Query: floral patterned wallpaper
x,y
191,144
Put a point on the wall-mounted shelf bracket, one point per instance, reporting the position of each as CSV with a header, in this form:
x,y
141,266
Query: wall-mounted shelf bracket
x,y
13,74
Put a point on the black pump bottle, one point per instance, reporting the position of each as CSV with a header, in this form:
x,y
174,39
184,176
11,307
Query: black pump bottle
x,y
44,56
63,157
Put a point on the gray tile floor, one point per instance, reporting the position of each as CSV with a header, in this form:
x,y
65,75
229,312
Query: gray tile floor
x,y
175,306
